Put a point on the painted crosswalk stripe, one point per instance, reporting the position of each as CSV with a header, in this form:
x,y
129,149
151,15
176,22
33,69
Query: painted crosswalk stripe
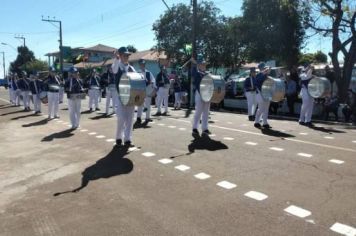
x,y
339,162
148,154
304,154
228,138
202,176
343,229
276,149
165,161
251,143
171,126
256,195
100,136
92,133
110,140
297,211
182,167
83,130
182,129
226,185
329,137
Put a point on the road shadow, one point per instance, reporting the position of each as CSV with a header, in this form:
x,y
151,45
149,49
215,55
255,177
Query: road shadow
x,y
111,165
143,125
6,106
101,116
276,133
24,116
37,123
13,112
86,112
203,142
63,134
65,109
325,130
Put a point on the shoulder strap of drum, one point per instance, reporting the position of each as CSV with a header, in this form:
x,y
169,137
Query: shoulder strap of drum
x,y
70,84
148,76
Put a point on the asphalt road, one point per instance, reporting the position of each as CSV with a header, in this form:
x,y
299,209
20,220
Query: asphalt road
x,y
292,180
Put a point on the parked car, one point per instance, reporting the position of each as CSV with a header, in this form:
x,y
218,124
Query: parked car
x,y
3,82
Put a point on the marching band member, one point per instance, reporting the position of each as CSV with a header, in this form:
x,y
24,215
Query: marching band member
x,y
201,107
36,87
74,87
162,83
17,91
94,91
150,81
111,91
306,111
177,86
11,90
263,105
23,85
250,93
61,89
52,87
125,114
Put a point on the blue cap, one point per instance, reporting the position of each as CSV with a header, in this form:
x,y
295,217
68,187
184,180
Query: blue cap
x,y
141,61
261,66
124,50
51,68
73,70
253,69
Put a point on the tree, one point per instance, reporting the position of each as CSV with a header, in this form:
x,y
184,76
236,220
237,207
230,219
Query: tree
x,y
273,30
35,65
336,19
24,56
131,48
318,57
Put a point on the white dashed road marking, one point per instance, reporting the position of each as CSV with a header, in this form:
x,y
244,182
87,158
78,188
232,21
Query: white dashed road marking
x,y
161,124
354,141
100,136
92,133
226,185
276,149
297,211
110,140
304,154
69,126
228,138
256,195
165,161
202,176
182,167
148,154
343,229
303,133
171,126
329,137
251,143
339,162
83,130
132,149
182,129
212,135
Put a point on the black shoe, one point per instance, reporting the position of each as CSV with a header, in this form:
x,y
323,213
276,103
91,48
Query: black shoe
x,y
158,114
144,109
129,144
309,124
267,126
195,131
301,123
118,142
97,109
90,110
206,132
257,125
138,121
164,113
148,120
251,118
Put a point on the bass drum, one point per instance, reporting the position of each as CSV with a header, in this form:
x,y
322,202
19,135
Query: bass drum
x,y
43,97
212,88
319,87
273,89
132,89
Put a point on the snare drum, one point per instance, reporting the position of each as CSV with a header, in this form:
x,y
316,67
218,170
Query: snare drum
x,y
132,89
77,96
212,88
53,88
43,97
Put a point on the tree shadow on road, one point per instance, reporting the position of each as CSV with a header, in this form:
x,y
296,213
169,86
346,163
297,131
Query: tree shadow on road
x,y
63,134
37,123
326,130
276,133
112,164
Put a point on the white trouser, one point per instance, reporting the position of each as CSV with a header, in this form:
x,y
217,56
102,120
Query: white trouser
x,y
11,95
306,111
17,97
251,102
53,101
26,98
201,111
162,97
61,94
74,111
111,94
36,102
262,111
177,99
125,115
93,98
147,105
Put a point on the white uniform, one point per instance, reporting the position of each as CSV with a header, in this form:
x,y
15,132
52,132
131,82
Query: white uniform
x,y
111,95
201,110
125,114
148,98
306,111
250,95
94,92
36,98
263,106
53,98
74,106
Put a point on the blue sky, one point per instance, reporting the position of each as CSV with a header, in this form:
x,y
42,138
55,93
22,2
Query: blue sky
x,y
88,22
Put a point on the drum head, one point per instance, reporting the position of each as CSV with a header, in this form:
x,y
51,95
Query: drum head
x,y
124,90
319,87
206,88
132,89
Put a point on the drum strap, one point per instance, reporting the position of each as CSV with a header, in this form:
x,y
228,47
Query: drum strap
x,y
252,86
34,82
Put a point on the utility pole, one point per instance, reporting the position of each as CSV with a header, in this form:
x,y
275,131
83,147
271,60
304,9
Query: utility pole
x,y
23,38
194,49
3,62
60,41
